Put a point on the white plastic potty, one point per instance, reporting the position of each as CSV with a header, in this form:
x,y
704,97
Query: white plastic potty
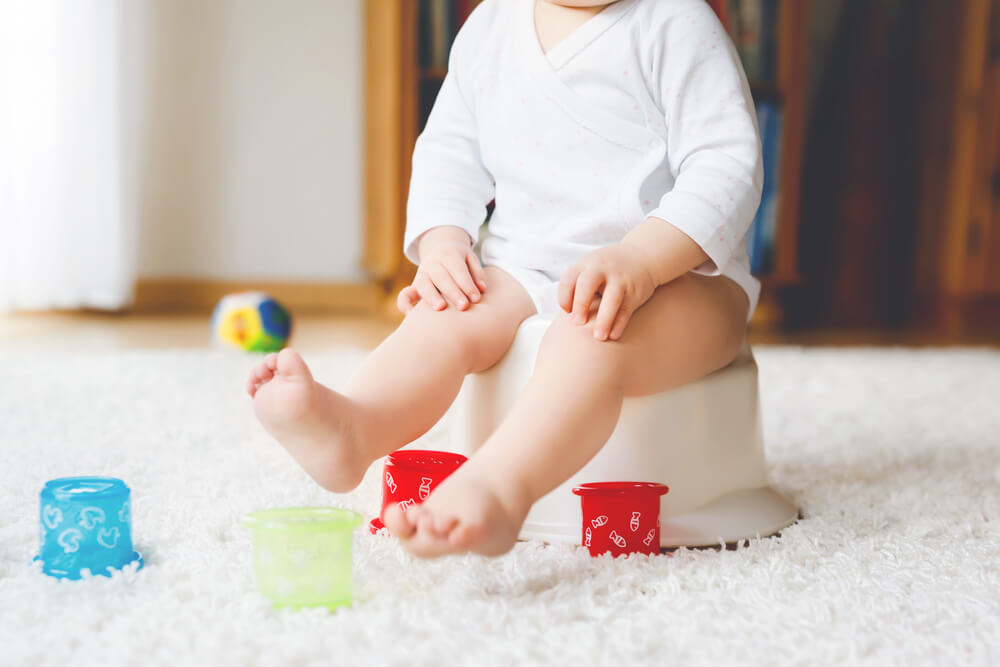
x,y
711,457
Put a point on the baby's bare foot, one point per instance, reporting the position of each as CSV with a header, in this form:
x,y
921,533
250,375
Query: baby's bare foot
x,y
311,421
469,511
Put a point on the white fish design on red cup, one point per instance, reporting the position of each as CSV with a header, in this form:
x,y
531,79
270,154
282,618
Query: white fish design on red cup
x,y
425,487
618,540
649,537
390,482
588,535
599,521
407,504
634,523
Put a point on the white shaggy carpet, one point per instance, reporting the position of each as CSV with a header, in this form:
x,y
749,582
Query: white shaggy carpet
x,y
893,455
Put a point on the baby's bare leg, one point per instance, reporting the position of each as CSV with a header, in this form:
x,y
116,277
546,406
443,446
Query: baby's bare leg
x,y
400,391
406,384
689,328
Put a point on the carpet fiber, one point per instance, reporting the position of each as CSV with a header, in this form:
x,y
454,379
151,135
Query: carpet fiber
x,y
892,454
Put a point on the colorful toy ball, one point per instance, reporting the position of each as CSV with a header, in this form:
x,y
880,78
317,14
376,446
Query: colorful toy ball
x,y
251,321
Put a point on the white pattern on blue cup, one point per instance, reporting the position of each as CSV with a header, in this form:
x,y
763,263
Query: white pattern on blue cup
x,y
85,523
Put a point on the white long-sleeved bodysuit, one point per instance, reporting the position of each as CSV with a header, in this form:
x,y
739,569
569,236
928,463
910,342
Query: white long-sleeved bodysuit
x,y
642,111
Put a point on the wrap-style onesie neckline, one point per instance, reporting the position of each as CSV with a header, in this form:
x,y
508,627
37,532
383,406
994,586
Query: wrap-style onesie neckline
x,y
542,68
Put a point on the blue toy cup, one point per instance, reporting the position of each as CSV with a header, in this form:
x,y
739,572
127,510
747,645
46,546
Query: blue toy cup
x,y
85,524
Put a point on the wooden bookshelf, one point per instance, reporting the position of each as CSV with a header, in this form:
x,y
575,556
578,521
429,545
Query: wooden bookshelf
x,y
793,23
957,254
400,92
790,91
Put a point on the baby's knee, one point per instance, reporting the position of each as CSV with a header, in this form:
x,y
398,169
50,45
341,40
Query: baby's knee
x,y
563,331
576,344
462,334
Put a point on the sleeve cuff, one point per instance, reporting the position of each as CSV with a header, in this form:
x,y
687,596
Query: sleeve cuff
x,y
415,228
703,223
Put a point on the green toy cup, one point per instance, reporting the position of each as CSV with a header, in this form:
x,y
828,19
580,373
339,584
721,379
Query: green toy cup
x,y
302,555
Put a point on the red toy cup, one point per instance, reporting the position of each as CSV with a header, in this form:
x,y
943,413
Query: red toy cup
x,y
409,475
621,517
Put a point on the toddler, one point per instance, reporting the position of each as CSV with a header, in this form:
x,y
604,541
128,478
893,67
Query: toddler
x,y
619,142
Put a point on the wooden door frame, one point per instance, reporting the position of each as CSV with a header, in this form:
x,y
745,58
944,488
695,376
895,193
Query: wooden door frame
x,y
390,131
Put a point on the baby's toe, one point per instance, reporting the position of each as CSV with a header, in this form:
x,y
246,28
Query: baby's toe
x,y
290,364
427,544
398,523
466,536
425,523
443,525
263,372
258,375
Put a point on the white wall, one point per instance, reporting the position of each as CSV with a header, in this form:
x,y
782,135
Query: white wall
x,y
252,136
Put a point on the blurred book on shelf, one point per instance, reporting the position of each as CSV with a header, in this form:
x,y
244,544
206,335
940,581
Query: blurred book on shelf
x,y
438,23
753,27
763,231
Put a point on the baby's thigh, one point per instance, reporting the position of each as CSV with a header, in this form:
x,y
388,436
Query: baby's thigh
x,y
689,327
482,333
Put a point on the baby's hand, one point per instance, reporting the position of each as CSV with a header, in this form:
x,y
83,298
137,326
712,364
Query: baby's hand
x,y
449,269
619,276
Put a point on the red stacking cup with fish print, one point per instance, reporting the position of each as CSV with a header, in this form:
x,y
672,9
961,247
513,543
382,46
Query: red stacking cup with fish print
x,y
409,476
621,517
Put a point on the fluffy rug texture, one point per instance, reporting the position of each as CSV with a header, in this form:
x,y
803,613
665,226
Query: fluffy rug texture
x,y
892,454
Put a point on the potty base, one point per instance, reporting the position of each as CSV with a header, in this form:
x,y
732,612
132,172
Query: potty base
x,y
728,519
